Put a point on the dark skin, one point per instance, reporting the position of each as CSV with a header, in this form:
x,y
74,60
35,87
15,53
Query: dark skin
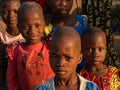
x,y
9,15
94,51
64,61
60,13
31,25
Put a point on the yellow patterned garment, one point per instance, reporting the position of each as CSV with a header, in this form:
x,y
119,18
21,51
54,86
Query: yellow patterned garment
x,y
111,81
115,79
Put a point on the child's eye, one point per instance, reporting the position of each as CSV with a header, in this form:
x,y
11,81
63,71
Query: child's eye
x,y
68,58
16,11
101,49
38,25
89,49
25,27
4,11
54,57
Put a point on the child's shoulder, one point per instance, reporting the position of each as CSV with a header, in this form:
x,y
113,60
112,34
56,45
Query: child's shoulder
x,y
115,78
14,46
49,85
12,50
88,85
115,72
113,69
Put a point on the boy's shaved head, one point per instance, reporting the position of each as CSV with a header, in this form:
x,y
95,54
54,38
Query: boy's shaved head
x,y
90,33
93,31
69,33
30,6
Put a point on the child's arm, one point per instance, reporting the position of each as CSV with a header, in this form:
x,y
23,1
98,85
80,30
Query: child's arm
x,y
12,77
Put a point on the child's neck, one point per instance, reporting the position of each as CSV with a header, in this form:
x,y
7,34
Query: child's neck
x,y
67,81
98,70
13,31
27,43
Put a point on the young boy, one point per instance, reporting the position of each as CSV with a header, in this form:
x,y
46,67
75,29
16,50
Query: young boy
x,y
28,64
65,55
94,51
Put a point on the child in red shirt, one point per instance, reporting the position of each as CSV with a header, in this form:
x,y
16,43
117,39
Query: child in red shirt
x,y
28,64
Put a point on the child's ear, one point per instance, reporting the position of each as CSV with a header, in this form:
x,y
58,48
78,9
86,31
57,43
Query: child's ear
x,y
80,58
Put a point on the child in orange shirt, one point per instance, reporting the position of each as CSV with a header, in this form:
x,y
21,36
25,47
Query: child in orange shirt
x,y
28,64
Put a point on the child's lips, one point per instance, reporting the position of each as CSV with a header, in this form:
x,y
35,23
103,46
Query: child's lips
x,y
12,21
33,36
63,11
61,71
97,60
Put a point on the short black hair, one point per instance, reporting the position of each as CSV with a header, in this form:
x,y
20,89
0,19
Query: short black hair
x,y
66,31
32,6
92,30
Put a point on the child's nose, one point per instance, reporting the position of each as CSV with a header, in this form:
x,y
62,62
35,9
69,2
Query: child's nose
x,y
95,52
61,61
31,28
11,14
63,2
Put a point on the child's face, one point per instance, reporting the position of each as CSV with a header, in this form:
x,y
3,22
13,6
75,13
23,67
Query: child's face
x,y
64,57
9,13
61,7
94,49
31,25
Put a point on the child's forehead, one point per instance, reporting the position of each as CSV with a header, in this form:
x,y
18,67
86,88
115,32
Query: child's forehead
x,y
30,7
5,4
29,13
95,36
93,32
8,2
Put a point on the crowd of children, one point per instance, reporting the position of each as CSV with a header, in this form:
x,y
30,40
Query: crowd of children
x,y
65,55
42,49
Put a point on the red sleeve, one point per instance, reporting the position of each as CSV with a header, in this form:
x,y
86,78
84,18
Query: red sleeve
x,y
12,77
